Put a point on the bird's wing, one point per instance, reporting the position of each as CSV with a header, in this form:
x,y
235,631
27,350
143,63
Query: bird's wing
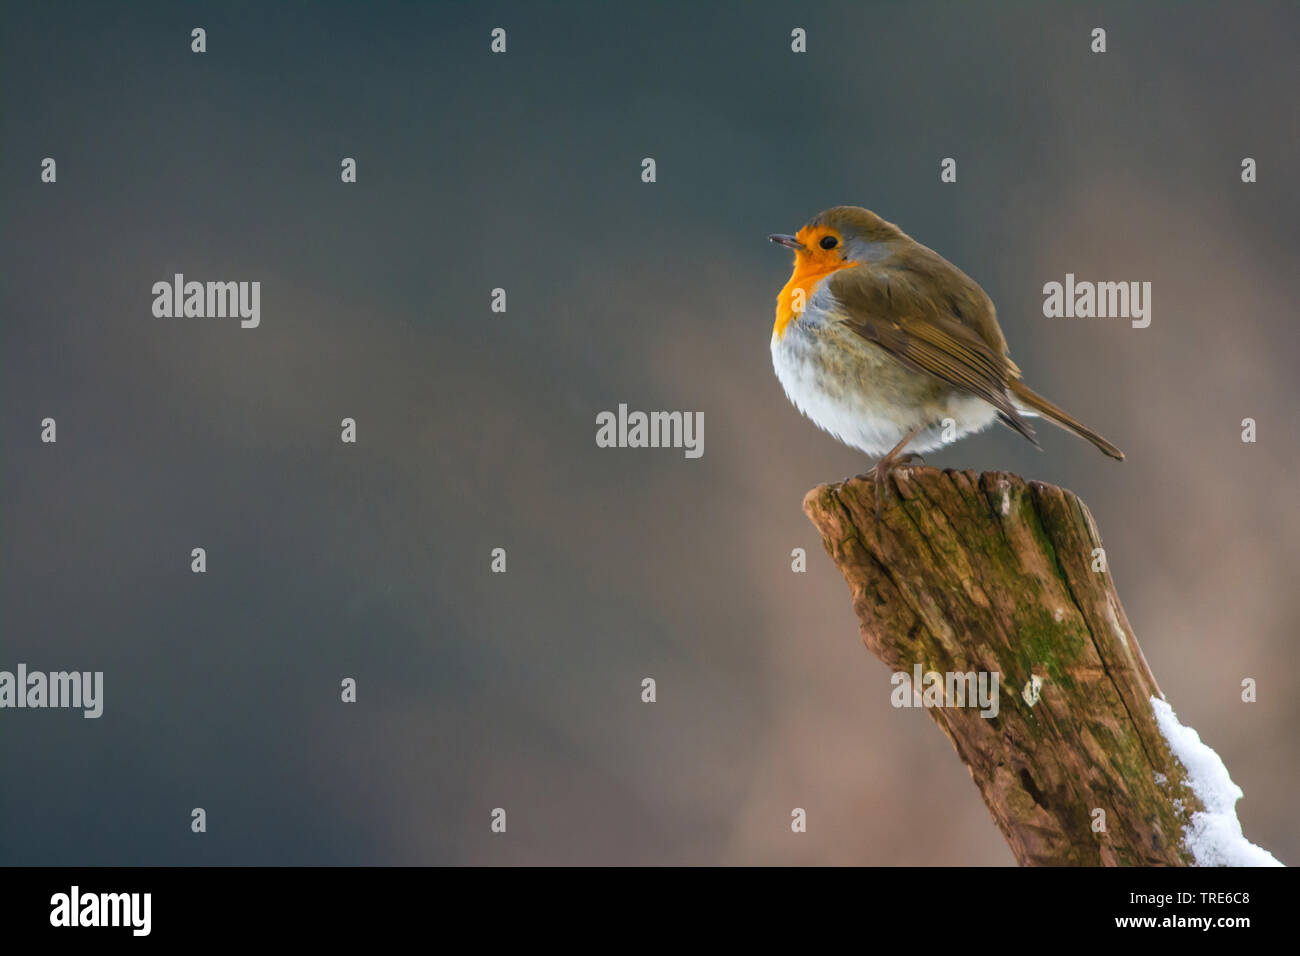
x,y
927,335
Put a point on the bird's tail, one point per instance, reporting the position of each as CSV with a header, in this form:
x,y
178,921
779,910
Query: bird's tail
x,y
1024,395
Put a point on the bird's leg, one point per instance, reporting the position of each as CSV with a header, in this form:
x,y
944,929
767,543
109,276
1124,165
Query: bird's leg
x,y
892,459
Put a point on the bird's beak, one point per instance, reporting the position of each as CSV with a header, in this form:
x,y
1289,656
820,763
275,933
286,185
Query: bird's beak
x,y
790,242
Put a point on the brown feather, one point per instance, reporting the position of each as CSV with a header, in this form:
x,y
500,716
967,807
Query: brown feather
x,y
886,307
1058,416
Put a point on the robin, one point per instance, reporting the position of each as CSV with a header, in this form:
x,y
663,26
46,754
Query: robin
x,y
893,349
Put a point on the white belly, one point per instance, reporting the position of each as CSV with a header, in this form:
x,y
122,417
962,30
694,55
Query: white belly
x,y
866,398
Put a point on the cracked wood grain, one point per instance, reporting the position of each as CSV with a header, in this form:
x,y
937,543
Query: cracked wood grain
x,y
989,574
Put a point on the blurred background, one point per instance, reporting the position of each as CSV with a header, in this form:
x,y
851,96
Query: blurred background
x,y
476,429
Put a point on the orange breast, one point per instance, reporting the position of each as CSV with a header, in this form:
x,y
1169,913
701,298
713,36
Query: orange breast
x,y
802,281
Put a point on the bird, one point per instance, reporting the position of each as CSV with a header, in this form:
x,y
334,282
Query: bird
x,y
892,349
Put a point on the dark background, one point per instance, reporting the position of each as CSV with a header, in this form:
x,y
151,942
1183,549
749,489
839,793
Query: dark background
x,y
476,429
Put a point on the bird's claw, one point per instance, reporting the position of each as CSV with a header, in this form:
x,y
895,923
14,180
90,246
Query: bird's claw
x,y
880,476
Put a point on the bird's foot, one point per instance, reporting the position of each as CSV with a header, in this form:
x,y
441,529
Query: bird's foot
x,y
881,472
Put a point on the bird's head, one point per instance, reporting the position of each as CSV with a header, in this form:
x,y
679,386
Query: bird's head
x,y
839,237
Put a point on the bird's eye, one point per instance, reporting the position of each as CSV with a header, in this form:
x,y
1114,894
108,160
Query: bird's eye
x,y
830,242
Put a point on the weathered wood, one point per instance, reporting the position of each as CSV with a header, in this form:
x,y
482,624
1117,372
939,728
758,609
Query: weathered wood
x,y
990,574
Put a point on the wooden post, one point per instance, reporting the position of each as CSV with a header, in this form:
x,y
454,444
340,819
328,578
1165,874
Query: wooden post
x,y
990,574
